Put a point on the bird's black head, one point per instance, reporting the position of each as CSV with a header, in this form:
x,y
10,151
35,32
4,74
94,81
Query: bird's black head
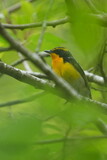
x,y
61,51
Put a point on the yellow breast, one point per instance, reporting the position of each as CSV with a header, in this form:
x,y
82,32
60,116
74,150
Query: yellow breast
x,y
64,69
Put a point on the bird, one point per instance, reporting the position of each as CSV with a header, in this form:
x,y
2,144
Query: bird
x,y
65,66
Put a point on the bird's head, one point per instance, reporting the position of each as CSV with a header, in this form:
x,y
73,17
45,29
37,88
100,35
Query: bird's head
x,y
59,52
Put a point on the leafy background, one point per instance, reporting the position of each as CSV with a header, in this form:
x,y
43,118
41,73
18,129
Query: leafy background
x,y
49,118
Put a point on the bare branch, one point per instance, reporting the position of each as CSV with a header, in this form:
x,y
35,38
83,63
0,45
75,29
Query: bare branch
x,y
39,75
39,24
94,78
24,76
18,62
25,63
44,26
41,54
41,37
90,76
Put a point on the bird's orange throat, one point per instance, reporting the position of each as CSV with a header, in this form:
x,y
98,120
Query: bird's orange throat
x,y
57,63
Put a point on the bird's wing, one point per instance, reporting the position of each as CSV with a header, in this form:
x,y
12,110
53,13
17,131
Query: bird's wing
x,y
80,70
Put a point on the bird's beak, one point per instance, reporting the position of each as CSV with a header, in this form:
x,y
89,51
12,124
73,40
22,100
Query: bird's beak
x,y
48,51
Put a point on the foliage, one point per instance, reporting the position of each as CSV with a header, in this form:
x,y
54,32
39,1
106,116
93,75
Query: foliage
x,y
49,127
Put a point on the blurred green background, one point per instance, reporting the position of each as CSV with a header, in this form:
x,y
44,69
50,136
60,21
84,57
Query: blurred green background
x,y
48,119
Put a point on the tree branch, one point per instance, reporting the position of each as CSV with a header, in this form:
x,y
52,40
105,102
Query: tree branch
x,y
17,62
23,76
39,75
44,25
95,78
39,24
90,76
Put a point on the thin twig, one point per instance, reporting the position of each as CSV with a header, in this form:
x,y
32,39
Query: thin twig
x,y
41,54
61,140
15,7
65,143
92,6
103,51
18,62
44,26
98,89
25,63
41,37
5,49
39,75
24,100
102,126
39,24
